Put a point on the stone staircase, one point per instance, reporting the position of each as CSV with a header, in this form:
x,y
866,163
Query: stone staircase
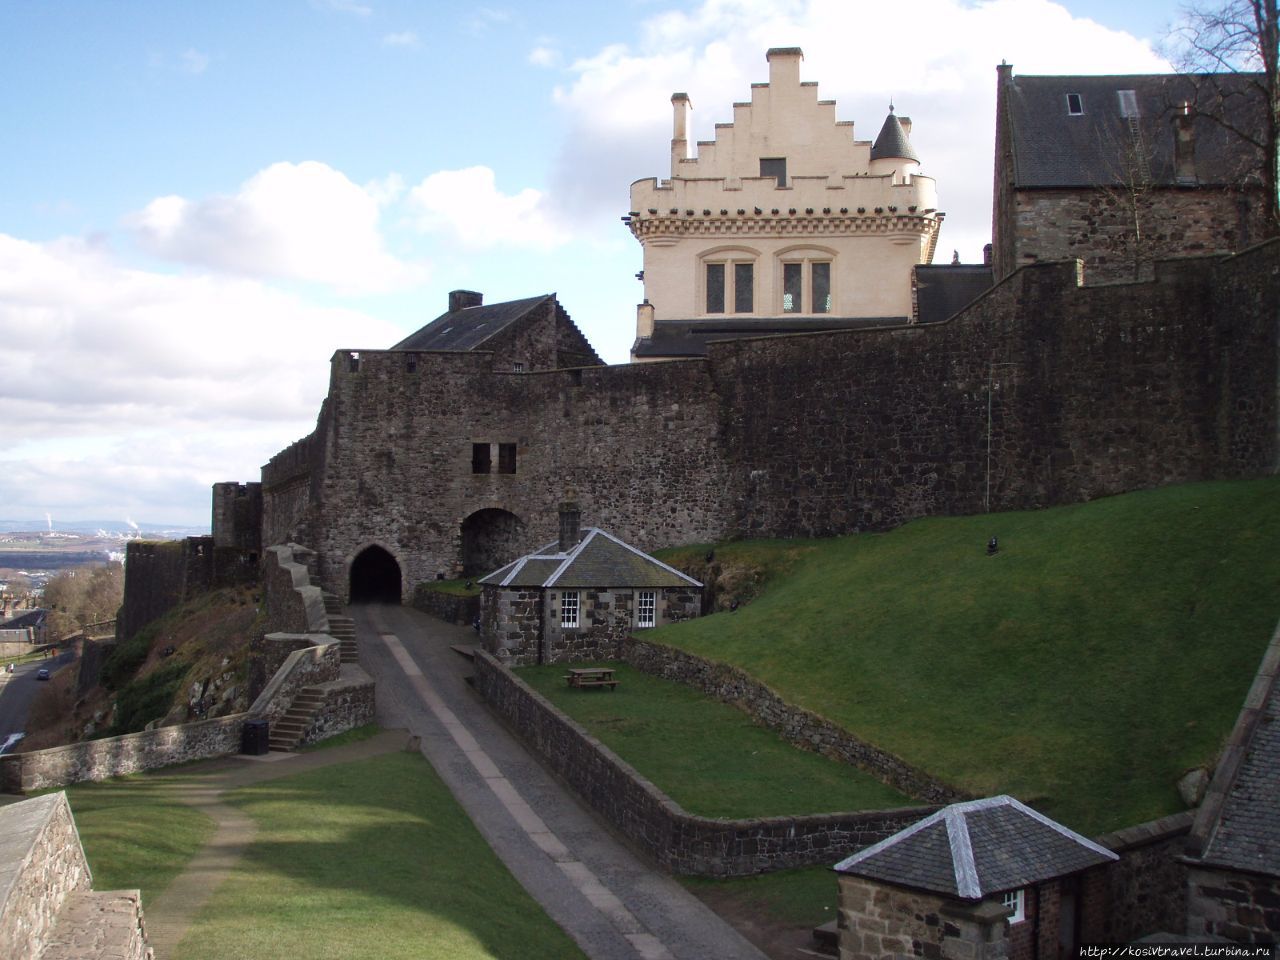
x,y
285,733
341,627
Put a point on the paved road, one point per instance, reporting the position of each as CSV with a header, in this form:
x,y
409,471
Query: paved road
x,y
19,688
612,903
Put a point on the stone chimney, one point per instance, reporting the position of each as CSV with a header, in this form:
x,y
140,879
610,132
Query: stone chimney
x,y
681,108
784,66
570,531
644,319
1184,146
461,299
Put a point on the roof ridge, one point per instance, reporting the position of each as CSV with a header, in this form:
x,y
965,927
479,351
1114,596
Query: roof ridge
x,y
966,869
640,553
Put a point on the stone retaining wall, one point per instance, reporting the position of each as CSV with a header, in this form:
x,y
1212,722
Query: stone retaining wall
x,y
448,607
807,730
348,703
679,841
41,863
1146,889
117,756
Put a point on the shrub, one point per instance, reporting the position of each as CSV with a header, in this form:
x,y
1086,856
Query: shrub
x,y
147,699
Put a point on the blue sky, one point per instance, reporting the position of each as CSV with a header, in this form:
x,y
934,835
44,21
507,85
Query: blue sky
x,y
200,202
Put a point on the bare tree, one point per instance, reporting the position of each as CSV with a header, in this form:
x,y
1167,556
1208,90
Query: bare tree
x,y
1238,37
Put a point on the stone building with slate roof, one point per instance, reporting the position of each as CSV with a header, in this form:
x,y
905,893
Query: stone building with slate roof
x,y
980,880
1121,171
573,599
1233,863
521,335
784,223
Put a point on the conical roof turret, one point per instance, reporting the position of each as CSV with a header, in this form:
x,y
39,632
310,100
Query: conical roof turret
x,y
893,141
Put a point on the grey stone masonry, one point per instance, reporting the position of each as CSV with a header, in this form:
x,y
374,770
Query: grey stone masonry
x,y
677,840
100,926
41,864
795,724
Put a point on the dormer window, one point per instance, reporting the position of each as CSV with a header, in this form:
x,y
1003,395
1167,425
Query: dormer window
x,y
774,167
1075,105
1128,103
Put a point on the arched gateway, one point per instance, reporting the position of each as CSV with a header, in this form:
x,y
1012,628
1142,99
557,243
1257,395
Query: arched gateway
x,y
490,538
375,577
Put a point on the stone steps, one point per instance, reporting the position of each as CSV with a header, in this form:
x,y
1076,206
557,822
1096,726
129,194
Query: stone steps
x,y
285,733
99,926
342,628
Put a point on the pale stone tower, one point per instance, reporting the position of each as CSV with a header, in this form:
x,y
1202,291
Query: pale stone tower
x,y
783,222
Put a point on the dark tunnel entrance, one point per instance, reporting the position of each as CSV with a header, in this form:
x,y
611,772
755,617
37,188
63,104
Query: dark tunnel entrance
x,y
375,577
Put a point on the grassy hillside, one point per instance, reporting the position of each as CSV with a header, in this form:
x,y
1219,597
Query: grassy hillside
x,y
1100,654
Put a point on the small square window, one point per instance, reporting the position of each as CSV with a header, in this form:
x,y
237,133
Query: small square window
x,y
517,367
569,609
1015,900
481,461
774,167
1075,104
646,608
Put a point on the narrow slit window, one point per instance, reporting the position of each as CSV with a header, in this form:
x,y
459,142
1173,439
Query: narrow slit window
x,y
1075,104
792,287
821,281
506,458
743,287
480,458
715,288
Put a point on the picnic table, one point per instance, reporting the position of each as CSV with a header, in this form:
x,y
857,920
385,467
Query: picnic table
x,y
584,677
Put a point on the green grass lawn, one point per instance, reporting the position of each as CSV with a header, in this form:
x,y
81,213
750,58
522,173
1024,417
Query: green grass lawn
x,y
135,833
1105,649
372,859
708,756
805,897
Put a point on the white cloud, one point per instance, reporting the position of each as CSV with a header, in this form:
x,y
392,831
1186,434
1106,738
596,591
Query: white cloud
x,y
302,221
139,389
348,6
544,56
406,39
468,205
485,17
193,61
938,65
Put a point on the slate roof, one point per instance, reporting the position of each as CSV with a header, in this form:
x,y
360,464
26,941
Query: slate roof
x,y
689,338
470,327
943,290
976,849
1239,822
892,141
599,559
1052,148
31,618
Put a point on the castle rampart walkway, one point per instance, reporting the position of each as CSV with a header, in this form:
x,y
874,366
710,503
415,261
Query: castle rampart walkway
x,y
613,904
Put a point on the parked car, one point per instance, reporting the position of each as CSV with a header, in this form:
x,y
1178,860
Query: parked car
x,y
42,674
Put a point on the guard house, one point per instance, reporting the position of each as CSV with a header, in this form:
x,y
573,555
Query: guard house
x,y
575,598
981,880
785,222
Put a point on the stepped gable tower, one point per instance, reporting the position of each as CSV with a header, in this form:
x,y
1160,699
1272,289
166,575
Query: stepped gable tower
x,y
783,223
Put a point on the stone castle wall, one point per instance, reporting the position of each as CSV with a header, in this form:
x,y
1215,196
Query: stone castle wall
x,y
1042,392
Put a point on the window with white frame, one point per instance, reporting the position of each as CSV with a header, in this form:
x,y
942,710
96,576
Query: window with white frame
x,y
569,609
646,608
1015,900
729,285
806,284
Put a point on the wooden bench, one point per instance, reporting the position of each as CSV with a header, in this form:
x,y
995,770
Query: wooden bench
x,y
583,677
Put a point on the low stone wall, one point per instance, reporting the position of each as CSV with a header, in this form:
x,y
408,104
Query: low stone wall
x,y
677,840
100,925
293,604
117,756
794,724
446,606
41,864
320,661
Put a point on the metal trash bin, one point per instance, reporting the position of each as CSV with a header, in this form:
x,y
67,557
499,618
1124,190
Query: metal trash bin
x,y
256,739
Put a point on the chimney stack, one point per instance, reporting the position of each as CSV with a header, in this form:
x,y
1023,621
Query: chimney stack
x,y
461,299
570,520
681,107
784,66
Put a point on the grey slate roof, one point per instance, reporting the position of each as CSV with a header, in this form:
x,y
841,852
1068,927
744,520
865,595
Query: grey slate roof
x,y
1051,148
892,141
30,618
689,338
599,559
976,849
470,327
1239,821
